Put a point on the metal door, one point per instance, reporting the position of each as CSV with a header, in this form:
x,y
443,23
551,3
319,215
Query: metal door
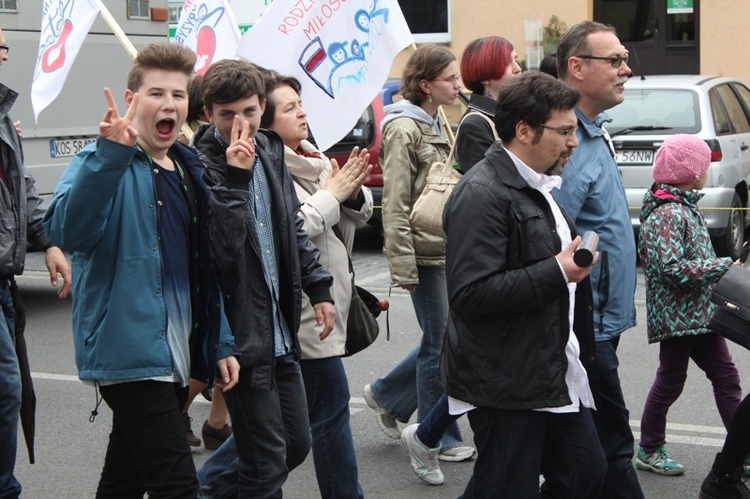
x,y
661,35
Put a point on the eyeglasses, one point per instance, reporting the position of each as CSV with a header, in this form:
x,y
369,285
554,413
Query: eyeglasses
x,y
451,79
615,61
565,132
4,49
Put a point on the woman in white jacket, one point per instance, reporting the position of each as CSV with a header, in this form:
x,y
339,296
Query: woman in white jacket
x,y
334,202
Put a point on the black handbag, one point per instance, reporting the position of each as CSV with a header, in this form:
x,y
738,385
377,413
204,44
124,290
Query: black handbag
x,y
361,327
731,317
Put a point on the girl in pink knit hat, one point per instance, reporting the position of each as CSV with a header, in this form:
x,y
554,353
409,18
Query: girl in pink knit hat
x,y
680,267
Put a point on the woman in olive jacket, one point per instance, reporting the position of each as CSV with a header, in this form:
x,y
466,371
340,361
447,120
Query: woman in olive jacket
x,y
412,142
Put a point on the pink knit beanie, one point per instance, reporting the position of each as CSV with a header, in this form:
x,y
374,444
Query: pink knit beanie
x,y
681,159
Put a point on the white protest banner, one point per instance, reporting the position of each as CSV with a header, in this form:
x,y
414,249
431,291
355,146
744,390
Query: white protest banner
x,y
340,50
209,29
65,24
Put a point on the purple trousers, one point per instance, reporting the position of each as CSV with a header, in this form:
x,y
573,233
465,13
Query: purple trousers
x,y
710,353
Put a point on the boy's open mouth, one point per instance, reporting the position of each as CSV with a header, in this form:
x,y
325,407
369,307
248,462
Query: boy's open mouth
x,y
165,128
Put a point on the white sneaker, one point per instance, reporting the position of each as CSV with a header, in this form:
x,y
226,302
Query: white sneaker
x,y
457,454
424,460
387,423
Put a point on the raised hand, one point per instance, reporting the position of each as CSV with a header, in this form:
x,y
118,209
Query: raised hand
x,y
346,182
241,151
118,128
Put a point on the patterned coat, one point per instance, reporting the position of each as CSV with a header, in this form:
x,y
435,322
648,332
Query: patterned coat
x,y
679,262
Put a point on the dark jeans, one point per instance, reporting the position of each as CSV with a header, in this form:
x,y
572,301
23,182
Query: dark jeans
x,y
272,431
432,427
710,353
10,396
147,449
612,421
333,447
515,447
328,396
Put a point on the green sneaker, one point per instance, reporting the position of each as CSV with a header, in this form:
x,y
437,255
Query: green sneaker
x,y
658,462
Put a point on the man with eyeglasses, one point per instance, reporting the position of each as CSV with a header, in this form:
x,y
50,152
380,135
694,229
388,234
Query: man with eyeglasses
x,y
591,59
520,340
22,211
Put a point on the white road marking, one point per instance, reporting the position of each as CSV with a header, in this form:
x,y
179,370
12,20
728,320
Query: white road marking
x,y
55,377
687,427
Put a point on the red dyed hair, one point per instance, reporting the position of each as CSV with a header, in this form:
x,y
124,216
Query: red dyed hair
x,y
484,59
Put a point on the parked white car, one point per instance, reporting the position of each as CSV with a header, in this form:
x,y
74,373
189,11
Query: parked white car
x,y
715,109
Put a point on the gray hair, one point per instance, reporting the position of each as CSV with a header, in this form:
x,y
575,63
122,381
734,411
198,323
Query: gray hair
x,y
575,42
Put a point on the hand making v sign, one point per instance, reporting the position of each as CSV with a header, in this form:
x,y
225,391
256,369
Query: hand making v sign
x,y
241,151
118,128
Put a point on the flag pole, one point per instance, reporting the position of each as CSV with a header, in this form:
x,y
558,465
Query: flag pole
x,y
128,46
116,29
446,125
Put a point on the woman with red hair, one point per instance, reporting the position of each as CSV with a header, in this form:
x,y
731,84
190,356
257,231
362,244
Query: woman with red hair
x,y
486,64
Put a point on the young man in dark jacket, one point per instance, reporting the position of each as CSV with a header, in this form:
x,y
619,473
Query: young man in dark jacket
x,y
21,210
264,260
518,343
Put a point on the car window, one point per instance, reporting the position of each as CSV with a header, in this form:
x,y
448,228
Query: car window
x,y
737,116
676,109
721,122
744,94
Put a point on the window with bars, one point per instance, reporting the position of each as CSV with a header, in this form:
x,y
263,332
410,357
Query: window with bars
x,y
138,9
9,5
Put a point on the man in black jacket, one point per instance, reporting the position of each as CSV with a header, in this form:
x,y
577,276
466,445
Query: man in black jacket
x,y
264,260
517,348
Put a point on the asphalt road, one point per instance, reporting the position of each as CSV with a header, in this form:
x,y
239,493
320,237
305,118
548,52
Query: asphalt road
x,y
70,449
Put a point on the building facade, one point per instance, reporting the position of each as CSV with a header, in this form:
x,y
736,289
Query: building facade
x,y
663,36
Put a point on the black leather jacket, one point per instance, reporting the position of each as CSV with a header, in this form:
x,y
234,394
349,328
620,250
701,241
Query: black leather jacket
x,y
505,343
235,248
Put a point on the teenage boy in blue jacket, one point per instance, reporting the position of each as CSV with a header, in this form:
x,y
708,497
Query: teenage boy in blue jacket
x,y
147,313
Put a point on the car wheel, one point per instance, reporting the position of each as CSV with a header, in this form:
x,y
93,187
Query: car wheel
x,y
730,244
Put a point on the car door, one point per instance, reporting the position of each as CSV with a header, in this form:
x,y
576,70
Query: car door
x,y
736,143
743,94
